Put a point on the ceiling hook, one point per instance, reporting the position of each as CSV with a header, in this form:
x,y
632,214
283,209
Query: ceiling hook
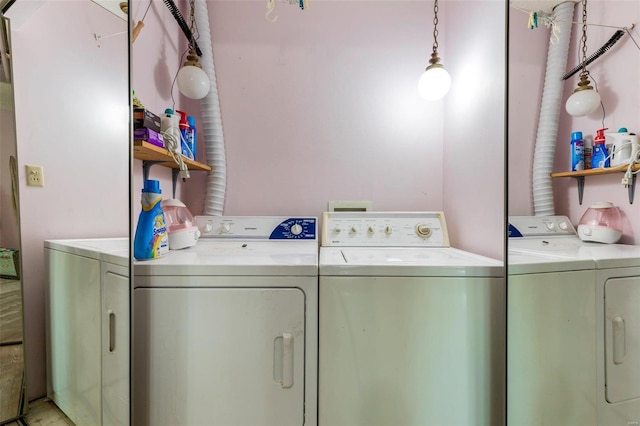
x,y
271,5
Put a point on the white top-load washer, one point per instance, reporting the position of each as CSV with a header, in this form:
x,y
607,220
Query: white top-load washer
x,y
225,332
411,329
573,326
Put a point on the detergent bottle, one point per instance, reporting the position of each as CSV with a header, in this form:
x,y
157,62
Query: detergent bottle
x,y
600,156
151,240
577,151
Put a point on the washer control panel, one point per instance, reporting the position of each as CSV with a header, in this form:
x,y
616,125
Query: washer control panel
x,y
385,229
258,227
540,226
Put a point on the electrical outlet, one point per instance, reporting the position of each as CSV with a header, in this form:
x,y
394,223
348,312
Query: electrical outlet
x,y
35,176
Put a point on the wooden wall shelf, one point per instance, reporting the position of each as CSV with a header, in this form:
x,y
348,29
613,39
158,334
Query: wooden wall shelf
x,y
582,174
148,152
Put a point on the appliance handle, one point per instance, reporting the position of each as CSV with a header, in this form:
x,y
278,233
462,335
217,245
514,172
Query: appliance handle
x,y
618,340
283,360
287,360
112,331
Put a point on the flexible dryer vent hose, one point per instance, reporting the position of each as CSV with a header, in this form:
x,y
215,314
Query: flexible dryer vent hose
x,y
211,120
550,105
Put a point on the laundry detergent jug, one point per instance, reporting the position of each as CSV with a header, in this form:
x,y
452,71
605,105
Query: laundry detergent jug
x,y
602,223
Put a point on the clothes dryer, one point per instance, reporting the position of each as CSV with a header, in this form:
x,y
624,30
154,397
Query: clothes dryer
x,y
225,332
87,317
411,329
573,327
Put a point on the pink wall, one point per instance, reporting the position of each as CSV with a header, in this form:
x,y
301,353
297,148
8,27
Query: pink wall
x,y
335,115
474,129
323,105
72,119
616,74
155,61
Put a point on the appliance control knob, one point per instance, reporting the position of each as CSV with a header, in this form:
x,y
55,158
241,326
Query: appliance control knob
x,y
354,229
388,230
423,230
225,228
296,229
206,228
551,226
371,229
337,229
563,225
586,231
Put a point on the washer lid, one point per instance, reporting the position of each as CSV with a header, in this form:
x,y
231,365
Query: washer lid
x,y
520,263
236,258
403,261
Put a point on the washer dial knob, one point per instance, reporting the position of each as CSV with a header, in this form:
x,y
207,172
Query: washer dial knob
x,y
354,229
225,228
337,229
296,229
388,230
423,230
371,229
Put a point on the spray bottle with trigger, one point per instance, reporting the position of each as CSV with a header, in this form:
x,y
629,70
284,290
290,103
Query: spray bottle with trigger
x,y
600,156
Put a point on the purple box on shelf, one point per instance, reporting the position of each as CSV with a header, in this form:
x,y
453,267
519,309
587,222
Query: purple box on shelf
x,y
148,135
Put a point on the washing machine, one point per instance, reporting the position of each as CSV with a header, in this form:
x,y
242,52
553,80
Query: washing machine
x,y
411,329
573,327
225,332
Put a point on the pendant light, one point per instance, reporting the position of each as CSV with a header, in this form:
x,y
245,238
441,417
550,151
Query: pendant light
x,y
192,81
584,99
435,81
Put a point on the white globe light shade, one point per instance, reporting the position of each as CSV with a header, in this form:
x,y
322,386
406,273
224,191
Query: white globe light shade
x,y
193,82
434,83
583,102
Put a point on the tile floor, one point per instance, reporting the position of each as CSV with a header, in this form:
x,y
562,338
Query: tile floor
x,y
43,412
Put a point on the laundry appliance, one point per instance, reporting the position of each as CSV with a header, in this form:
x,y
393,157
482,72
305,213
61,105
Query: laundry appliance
x,y
87,320
411,329
225,331
573,327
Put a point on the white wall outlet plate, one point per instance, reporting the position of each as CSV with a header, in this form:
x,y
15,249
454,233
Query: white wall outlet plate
x,y
35,176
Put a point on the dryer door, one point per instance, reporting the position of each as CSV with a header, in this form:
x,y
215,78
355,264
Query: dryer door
x,y
219,356
622,338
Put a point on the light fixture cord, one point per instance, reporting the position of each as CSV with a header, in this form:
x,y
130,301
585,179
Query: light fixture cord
x,y
434,54
584,36
192,20
435,27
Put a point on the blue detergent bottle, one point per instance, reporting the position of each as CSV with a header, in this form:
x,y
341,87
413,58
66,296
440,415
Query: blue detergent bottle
x,y
191,140
600,156
577,152
151,240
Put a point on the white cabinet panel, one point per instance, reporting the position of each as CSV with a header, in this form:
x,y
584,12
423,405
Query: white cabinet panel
x,y
219,356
